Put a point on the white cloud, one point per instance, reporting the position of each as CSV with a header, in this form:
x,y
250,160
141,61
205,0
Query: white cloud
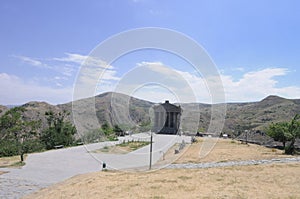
x,y
14,90
252,86
93,80
241,69
65,69
155,93
148,74
256,85
153,81
84,59
75,58
92,70
29,60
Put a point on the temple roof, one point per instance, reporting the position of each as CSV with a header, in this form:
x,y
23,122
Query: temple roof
x,y
167,107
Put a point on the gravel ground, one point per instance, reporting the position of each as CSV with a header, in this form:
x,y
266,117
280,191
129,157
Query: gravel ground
x,y
231,163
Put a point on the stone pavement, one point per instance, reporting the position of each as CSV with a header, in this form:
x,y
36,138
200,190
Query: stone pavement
x,y
231,163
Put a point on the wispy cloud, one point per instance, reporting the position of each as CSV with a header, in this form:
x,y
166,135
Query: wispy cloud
x,y
84,59
93,72
241,69
48,64
29,60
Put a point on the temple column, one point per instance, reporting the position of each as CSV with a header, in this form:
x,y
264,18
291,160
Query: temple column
x,y
174,120
159,120
169,122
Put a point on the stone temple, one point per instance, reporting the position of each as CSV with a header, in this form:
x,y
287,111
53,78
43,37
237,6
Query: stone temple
x,y
166,118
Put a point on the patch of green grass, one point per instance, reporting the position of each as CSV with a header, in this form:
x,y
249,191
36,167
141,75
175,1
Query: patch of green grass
x,y
184,177
123,148
12,161
158,197
105,149
17,164
154,187
134,145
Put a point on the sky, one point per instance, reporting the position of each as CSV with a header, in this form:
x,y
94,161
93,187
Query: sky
x,y
255,46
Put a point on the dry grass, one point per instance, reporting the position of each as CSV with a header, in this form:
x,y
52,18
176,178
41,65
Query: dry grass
x,y
13,161
2,172
229,150
256,181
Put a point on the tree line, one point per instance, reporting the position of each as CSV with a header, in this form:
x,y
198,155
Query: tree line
x,y
20,135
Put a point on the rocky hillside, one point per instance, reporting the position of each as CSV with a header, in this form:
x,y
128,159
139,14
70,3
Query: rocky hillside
x,y
113,108
116,108
258,115
3,109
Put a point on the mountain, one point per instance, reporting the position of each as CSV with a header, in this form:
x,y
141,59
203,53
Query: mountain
x,y
258,115
130,112
111,108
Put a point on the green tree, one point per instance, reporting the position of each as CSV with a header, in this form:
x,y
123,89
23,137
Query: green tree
x,y
17,135
118,131
286,132
92,136
278,132
108,132
145,126
59,132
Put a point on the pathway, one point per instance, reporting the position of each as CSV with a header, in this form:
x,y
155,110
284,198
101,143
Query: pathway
x,y
231,163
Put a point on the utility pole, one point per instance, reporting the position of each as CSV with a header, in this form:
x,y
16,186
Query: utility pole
x,y
151,138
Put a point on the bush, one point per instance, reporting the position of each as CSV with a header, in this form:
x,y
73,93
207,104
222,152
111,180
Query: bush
x,y
31,146
8,148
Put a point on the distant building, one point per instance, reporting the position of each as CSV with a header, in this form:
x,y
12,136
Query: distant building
x,y
166,118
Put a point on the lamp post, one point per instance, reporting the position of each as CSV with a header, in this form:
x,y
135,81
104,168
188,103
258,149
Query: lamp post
x,y
151,138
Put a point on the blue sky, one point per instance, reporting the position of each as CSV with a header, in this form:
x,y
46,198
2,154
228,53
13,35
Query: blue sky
x,y
254,44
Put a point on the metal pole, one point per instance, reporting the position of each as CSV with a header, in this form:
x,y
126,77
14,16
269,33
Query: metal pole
x,y
150,151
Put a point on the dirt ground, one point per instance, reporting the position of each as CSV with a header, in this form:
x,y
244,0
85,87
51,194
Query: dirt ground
x,y
255,181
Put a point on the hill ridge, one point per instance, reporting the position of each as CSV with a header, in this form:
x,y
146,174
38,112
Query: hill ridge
x,y
239,116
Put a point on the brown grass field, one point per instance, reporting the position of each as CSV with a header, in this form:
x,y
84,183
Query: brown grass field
x,y
229,150
13,161
255,181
